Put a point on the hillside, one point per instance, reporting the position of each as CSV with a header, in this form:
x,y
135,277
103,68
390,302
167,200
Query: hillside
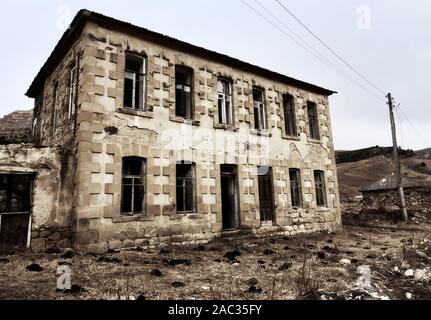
x,y
369,165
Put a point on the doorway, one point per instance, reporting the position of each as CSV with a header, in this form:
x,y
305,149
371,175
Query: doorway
x,y
266,198
15,206
229,197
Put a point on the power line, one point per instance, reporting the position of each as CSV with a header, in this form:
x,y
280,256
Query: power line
x,y
418,133
311,51
327,46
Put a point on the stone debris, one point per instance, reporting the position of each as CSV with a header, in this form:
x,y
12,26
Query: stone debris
x,y
178,284
74,290
34,267
69,253
109,260
409,273
156,273
268,252
176,262
285,266
409,296
345,261
231,255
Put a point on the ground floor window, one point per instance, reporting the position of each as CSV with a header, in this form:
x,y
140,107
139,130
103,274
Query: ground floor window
x,y
133,186
186,184
319,181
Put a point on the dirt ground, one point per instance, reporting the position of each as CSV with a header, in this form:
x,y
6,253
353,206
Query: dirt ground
x,y
242,267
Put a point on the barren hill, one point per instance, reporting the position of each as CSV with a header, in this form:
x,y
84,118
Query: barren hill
x,y
369,165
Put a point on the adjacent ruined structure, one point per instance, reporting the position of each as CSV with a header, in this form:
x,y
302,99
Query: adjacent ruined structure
x,y
152,140
382,196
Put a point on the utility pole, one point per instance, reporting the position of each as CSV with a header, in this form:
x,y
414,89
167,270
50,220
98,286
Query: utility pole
x,y
397,160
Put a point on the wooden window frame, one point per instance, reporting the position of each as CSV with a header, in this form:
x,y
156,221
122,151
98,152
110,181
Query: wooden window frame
x,y
295,185
313,120
139,78
184,180
73,89
320,187
224,100
183,88
289,117
143,184
259,111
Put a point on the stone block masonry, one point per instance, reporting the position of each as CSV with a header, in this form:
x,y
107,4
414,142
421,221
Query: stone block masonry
x,y
104,133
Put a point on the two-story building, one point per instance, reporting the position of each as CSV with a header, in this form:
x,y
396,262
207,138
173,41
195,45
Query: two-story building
x,y
163,141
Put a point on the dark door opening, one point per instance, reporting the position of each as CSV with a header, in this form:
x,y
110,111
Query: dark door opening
x,y
229,196
15,205
266,198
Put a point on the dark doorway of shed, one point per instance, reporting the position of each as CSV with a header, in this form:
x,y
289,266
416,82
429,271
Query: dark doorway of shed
x,y
266,198
229,196
15,205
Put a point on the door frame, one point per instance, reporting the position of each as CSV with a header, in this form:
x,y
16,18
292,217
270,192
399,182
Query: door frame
x,y
237,194
273,206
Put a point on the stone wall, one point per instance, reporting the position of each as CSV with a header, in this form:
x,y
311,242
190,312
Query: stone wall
x,y
51,197
16,127
418,201
106,132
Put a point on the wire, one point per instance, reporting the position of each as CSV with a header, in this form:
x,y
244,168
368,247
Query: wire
x,y
311,51
419,134
400,125
326,46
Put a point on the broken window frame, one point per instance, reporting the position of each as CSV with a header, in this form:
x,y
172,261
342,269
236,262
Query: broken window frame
x,y
290,127
320,188
295,188
185,182
313,121
38,106
55,107
184,93
73,88
134,186
225,105
139,80
259,110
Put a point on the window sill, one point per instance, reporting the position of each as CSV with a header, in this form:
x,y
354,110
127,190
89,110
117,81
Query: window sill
x,y
185,121
134,112
141,217
263,133
294,138
190,215
227,127
315,141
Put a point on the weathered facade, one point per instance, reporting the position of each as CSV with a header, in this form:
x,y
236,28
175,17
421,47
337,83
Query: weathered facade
x,y
169,142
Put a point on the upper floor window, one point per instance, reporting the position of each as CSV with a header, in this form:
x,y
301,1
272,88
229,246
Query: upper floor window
x,y
133,186
184,92
313,121
186,183
319,182
260,120
225,110
38,105
295,187
289,115
55,103
73,86
134,82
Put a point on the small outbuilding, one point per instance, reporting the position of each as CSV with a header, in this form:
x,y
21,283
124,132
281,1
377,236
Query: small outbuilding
x,y
382,196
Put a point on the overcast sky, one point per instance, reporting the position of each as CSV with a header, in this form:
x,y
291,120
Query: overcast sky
x,y
388,41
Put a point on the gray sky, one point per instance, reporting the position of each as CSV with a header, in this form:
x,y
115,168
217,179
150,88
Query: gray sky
x,y
388,41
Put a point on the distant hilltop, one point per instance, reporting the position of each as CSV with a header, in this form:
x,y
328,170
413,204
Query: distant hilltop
x,y
16,127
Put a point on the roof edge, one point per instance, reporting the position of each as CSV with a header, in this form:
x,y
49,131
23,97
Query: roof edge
x,y
85,15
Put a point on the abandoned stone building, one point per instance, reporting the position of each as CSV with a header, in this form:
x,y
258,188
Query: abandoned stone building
x,y
141,139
